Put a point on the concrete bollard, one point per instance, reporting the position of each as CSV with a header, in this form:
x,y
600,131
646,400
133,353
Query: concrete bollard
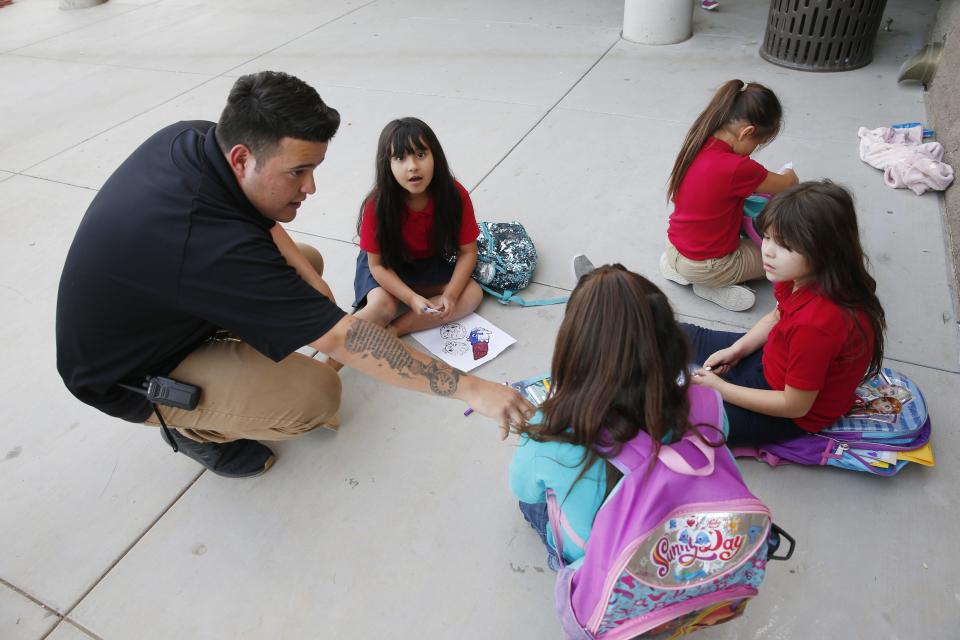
x,y
79,4
657,21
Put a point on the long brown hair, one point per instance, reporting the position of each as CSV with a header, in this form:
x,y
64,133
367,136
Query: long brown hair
x,y
734,102
617,368
817,219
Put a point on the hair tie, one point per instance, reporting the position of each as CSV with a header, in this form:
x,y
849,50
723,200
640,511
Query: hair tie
x,y
744,87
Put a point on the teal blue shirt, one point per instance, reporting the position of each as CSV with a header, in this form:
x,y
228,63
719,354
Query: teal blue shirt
x,y
538,466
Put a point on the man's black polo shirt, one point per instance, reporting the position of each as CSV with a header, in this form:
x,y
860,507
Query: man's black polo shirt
x,y
169,251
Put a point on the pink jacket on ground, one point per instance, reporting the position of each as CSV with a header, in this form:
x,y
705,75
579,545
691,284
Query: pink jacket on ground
x,y
906,161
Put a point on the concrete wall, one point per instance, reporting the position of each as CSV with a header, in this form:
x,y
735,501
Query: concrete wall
x,y
943,107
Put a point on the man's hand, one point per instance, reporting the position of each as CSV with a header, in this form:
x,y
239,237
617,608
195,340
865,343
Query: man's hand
x,y
498,401
376,352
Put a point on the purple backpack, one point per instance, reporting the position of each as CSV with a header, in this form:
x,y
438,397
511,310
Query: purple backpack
x,y
678,544
889,415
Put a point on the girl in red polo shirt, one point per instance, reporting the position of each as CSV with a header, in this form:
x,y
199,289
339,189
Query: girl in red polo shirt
x,y
417,236
710,181
797,369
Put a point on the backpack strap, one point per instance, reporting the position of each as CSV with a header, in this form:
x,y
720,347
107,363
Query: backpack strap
x,y
507,296
634,454
706,408
554,520
670,455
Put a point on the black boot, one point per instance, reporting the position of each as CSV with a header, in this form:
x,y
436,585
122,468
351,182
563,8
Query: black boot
x,y
236,459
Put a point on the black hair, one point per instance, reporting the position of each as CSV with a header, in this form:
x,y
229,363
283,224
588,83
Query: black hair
x,y
265,107
398,139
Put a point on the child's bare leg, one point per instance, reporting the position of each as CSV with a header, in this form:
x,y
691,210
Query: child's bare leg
x,y
381,308
469,300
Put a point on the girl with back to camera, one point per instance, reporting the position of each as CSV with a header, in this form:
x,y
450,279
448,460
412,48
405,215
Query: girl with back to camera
x,y
414,222
711,179
797,370
618,358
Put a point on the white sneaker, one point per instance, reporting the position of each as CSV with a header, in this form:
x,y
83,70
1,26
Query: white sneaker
x,y
581,266
669,272
735,297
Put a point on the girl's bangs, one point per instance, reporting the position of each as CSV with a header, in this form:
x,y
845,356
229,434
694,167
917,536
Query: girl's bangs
x,y
771,223
405,140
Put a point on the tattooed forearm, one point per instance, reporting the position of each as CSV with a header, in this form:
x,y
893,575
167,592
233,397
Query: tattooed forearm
x,y
443,378
366,338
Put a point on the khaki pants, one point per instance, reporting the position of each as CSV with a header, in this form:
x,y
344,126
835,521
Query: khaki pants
x,y
743,264
244,394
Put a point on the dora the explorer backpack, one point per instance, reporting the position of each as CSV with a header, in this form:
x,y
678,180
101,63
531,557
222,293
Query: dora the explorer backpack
x,y
678,545
887,427
506,260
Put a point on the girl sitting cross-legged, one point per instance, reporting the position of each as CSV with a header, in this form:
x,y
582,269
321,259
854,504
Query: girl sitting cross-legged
x,y
417,236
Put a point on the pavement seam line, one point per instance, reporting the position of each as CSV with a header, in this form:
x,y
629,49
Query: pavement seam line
x,y
33,599
922,366
294,39
82,628
112,65
80,28
407,92
545,25
123,554
546,113
740,327
323,237
66,184
210,79
118,124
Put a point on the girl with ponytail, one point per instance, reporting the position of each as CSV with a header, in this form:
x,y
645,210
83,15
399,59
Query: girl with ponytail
x,y
710,181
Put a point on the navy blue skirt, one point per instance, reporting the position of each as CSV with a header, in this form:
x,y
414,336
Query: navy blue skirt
x,y
426,272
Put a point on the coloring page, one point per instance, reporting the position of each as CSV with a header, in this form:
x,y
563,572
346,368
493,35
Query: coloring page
x,y
465,343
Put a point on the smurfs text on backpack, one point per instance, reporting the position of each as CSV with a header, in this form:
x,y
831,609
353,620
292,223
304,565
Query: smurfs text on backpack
x,y
625,476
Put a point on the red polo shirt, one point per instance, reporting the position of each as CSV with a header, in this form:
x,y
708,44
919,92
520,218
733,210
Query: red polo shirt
x,y
816,346
417,228
708,206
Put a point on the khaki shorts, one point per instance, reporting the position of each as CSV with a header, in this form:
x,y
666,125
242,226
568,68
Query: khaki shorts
x,y
743,264
245,394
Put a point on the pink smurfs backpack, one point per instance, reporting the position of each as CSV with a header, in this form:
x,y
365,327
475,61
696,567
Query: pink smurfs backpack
x,y
678,545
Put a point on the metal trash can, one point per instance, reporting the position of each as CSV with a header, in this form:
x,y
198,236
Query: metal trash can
x,y
822,35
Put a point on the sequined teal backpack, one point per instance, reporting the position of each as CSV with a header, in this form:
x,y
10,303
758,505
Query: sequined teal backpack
x,y
506,260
